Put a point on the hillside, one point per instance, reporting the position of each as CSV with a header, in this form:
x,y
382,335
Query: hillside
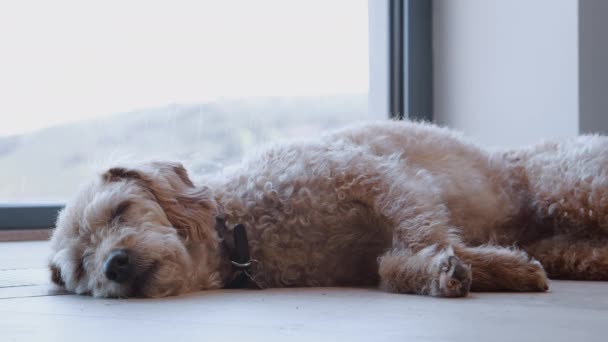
x,y
51,163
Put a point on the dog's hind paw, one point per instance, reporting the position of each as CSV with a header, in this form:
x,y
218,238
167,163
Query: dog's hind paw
x,y
532,277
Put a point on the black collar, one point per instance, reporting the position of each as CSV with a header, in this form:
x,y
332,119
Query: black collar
x,y
238,252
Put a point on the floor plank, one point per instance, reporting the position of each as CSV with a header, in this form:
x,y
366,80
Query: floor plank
x,y
23,254
571,311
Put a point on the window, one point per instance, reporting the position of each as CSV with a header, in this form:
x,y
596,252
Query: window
x,y
201,82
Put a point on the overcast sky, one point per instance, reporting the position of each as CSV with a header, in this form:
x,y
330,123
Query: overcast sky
x,y
63,60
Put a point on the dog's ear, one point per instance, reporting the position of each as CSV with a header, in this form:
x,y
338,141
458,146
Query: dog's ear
x,y
56,275
176,168
192,214
190,210
116,174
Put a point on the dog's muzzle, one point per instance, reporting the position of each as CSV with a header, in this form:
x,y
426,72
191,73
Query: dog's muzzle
x,y
119,266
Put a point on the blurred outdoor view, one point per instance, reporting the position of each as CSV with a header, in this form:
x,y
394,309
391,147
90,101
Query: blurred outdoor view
x,y
84,83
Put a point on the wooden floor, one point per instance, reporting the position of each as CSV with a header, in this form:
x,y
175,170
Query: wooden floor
x,y
30,310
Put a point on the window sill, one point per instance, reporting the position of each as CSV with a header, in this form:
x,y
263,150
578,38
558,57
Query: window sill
x,y
25,234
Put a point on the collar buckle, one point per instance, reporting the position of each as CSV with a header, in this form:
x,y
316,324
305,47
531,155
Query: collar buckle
x,y
241,266
238,252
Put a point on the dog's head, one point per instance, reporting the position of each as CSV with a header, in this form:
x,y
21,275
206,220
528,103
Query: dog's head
x,y
144,231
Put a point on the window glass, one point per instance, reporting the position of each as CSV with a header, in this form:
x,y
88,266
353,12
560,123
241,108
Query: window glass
x,y
83,83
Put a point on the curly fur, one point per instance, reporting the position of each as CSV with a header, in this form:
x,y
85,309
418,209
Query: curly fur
x,y
411,207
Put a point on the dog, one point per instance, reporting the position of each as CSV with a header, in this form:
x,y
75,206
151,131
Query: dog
x,y
409,207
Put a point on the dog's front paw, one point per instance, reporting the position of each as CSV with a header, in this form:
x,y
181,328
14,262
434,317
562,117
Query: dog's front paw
x,y
454,278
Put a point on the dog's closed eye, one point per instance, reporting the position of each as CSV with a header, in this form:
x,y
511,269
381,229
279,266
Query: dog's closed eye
x,y
119,210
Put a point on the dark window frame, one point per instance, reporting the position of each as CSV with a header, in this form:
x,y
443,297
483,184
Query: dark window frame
x,y
411,59
410,94
28,216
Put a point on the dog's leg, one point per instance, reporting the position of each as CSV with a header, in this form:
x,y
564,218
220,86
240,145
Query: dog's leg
x,y
565,257
422,259
429,271
427,256
453,271
503,269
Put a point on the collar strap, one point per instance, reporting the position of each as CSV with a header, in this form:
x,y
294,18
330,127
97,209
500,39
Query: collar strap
x,y
239,258
238,251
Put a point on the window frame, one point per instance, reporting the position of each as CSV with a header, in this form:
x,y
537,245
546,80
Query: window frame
x,y
411,60
401,85
25,216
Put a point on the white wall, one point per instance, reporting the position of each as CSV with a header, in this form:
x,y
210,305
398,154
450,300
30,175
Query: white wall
x,y
506,71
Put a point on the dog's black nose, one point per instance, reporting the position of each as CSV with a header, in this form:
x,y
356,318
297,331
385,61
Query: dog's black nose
x,y
118,266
